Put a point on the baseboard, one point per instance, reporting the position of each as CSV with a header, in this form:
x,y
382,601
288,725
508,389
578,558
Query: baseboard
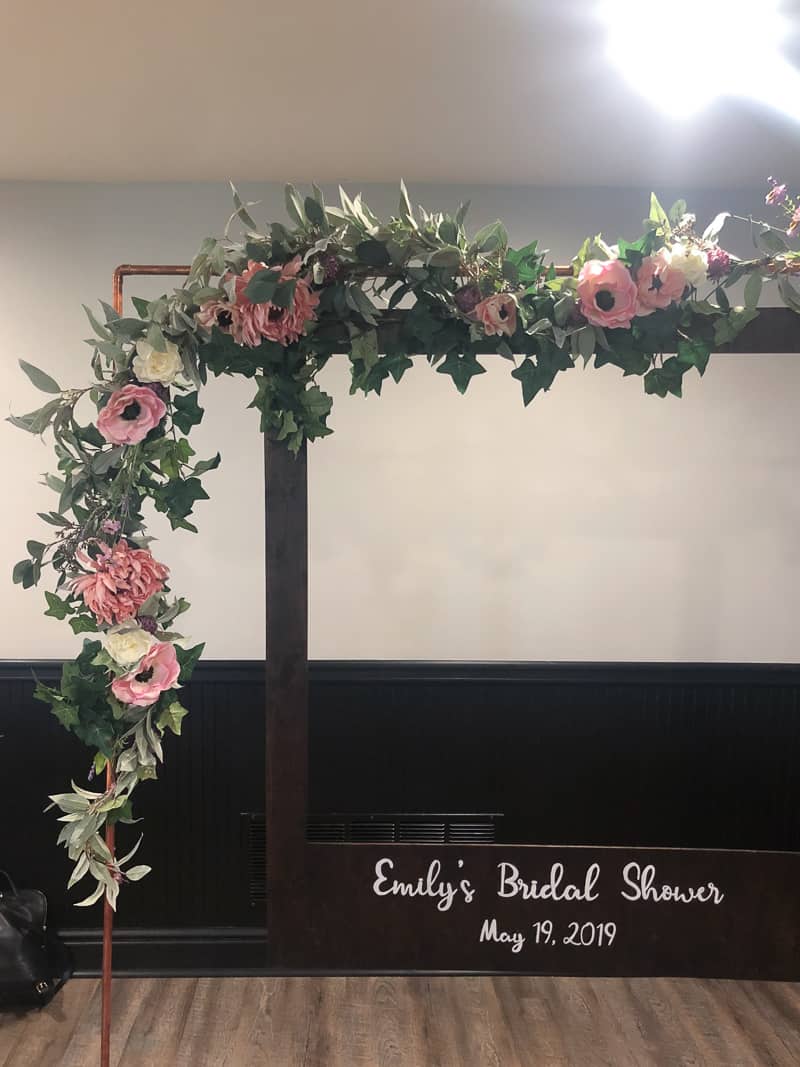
x,y
166,953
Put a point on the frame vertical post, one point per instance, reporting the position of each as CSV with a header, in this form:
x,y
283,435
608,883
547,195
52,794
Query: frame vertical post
x,y
286,506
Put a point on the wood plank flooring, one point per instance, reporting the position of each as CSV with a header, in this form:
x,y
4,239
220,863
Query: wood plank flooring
x,y
414,1022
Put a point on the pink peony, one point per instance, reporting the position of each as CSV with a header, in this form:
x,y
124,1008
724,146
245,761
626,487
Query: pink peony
x,y
121,580
497,314
253,323
157,670
130,414
658,282
607,293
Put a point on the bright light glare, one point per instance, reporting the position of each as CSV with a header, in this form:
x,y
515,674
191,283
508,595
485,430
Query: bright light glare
x,y
685,55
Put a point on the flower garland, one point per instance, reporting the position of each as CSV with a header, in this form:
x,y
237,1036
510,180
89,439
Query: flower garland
x,y
274,306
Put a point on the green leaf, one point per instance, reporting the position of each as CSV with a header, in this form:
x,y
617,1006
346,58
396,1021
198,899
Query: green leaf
x,y
135,874
206,465
315,212
715,226
677,211
241,211
364,346
57,608
187,658
104,461
659,216
294,205
373,253
768,240
752,290
41,380
172,716
284,293
462,369
694,353
22,573
187,413
82,624
261,287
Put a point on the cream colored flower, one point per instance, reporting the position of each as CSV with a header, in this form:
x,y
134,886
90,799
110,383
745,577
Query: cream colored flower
x,y
691,261
150,365
127,645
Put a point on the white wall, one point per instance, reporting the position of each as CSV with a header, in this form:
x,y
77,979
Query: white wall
x,y
596,524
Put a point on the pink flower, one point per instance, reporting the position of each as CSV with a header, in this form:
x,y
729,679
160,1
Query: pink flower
x,y
121,579
776,195
719,263
216,313
607,293
110,526
253,323
130,414
156,671
497,314
658,282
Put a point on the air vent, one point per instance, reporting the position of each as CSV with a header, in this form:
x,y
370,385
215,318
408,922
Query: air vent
x,y
423,829
329,827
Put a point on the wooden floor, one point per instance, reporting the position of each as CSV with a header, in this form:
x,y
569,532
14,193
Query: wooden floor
x,y
414,1022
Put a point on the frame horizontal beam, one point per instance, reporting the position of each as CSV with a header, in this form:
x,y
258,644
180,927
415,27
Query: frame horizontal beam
x,y
775,331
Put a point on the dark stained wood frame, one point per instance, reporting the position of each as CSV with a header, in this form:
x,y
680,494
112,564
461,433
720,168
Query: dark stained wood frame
x,y
323,914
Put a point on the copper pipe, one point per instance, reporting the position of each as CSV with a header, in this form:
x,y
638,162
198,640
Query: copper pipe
x,y
129,270
108,930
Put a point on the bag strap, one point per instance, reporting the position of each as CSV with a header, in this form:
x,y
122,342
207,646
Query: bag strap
x,y
7,877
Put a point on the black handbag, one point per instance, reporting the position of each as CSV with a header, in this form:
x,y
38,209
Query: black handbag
x,y
34,963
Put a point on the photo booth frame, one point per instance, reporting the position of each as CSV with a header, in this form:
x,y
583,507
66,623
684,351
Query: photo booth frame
x,y
344,907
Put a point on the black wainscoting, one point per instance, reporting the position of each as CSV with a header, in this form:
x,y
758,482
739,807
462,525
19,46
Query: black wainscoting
x,y
704,756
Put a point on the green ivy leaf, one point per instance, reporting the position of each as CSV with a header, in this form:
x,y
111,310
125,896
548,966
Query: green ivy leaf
x,y
187,658
187,412
694,352
56,607
462,369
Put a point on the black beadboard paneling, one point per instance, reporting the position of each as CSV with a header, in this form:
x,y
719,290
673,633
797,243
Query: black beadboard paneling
x,y
687,755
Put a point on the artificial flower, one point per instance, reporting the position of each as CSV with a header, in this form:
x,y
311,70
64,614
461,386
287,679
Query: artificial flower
x,y
719,263
130,414
119,581
794,224
153,365
776,195
659,283
157,671
254,323
607,293
691,261
127,644
497,314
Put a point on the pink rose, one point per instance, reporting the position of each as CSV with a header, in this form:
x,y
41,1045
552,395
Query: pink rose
x,y
658,282
497,314
156,671
130,414
253,323
607,293
121,579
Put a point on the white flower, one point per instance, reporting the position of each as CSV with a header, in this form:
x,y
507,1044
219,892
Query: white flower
x,y
150,365
690,260
127,644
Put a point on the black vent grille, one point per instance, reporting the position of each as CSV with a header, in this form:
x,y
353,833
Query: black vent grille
x,y
426,829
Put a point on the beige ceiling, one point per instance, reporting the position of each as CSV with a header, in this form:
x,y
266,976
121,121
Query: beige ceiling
x,y
500,91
